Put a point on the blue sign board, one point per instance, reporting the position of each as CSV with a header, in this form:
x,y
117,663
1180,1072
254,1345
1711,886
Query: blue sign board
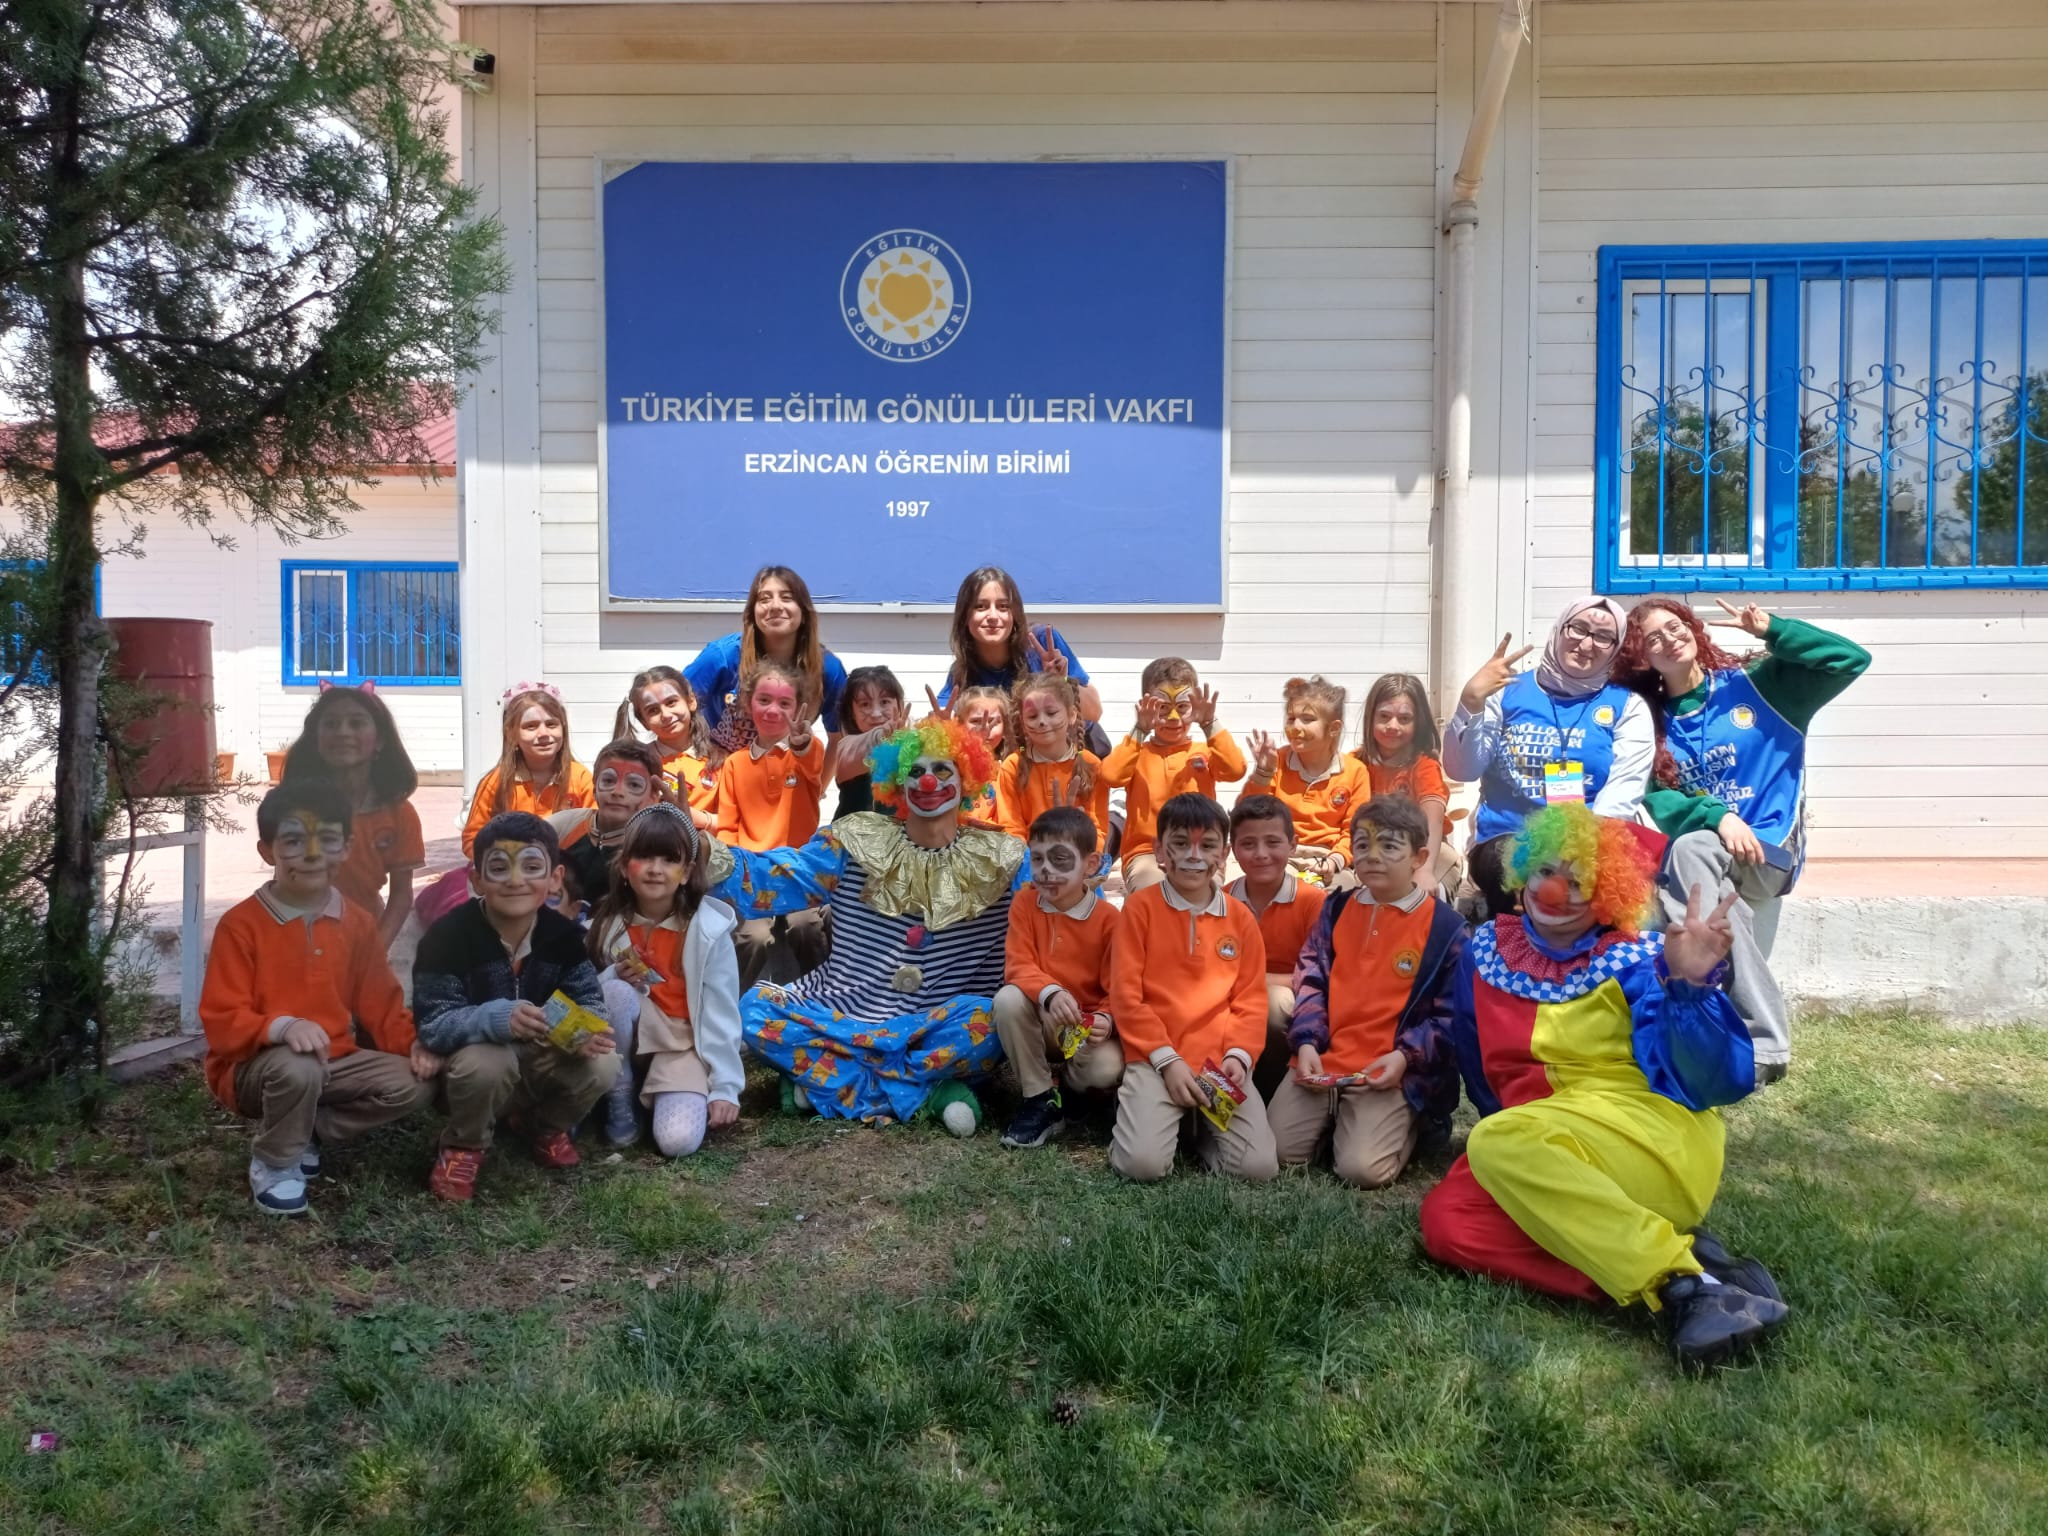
x,y
886,375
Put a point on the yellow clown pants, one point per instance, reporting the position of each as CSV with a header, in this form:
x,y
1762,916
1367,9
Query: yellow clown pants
x,y
1606,1177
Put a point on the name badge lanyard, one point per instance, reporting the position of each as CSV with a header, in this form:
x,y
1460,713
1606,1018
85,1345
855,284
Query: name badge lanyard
x,y
1564,780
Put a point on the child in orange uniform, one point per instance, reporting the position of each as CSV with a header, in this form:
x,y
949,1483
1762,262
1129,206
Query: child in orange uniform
x,y
536,771
351,740
627,775
1320,787
1187,988
1371,1031
292,971
768,794
1262,840
1051,767
1056,977
1400,752
671,984
1159,759
662,702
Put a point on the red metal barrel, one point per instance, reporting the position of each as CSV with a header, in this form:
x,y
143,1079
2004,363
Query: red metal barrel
x,y
171,659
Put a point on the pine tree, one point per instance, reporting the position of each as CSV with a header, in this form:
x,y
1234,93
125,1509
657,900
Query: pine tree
x,y
235,270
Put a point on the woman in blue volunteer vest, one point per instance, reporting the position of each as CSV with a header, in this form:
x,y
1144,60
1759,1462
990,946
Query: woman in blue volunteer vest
x,y
1564,733
1729,783
778,623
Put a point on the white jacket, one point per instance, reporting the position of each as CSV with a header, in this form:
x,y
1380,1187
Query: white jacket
x,y
711,982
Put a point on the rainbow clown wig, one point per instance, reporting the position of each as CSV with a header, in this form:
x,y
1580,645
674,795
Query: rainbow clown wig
x,y
1608,854
933,736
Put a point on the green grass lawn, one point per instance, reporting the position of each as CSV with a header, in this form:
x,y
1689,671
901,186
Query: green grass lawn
x,y
819,1329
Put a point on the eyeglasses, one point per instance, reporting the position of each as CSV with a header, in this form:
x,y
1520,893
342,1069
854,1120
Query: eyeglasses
x,y
1600,640
1664,639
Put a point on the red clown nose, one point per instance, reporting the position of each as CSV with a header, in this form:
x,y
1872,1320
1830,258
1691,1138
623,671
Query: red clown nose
x,y
928,783
1554,891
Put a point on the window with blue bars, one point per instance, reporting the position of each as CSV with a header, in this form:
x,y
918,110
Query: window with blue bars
x,y
1822,417
363,621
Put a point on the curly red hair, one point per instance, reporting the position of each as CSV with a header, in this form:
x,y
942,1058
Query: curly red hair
x,y
1633,671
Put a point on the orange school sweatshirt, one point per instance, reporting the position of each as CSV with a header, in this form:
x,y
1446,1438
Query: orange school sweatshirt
x,y
1187,983
771,801
1019,801
1061,949
268,963
1150,774
1322,808
578,793
691,781
1286,922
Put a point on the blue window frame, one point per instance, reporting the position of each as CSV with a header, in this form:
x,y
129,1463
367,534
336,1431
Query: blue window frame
x,y
1809,417
354,621
14,596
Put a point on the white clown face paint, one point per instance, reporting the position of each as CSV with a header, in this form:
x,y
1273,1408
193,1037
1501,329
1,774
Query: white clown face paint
x,y
1558,905
934,787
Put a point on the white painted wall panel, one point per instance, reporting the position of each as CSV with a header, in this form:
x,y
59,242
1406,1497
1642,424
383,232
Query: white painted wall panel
x,y
1808,120
182,573
1326,111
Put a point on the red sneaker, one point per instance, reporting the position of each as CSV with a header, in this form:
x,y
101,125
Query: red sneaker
x,y
455,1171
554,1149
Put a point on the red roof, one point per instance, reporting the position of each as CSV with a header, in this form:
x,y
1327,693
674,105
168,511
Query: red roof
x,y
437,432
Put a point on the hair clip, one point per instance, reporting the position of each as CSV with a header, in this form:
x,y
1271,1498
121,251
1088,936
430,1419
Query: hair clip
x,y
691,837
518,688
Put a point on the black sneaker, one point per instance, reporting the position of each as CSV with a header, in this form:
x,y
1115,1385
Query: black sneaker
x,y
1740,1271
1039,1118
1708,1325
1769,1072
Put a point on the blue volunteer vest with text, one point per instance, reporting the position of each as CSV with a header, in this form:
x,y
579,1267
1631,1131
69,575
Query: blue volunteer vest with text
x,y
1745,754
1537,729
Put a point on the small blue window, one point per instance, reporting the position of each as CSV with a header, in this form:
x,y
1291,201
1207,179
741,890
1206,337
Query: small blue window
x,y
356,621
1822,417
16,586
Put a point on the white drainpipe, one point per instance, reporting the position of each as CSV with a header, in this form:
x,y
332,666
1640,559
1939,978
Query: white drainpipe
x,y
1467,553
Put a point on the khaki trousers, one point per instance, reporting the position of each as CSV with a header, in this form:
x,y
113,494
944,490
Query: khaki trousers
x,y
1142,870
293,1097
1148,1133
487,1081
1375,1133
1031,1041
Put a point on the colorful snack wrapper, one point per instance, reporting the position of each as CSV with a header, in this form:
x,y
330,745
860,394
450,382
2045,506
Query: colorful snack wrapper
x,y
570,1023
1220,1096
1338,1080
1073,1036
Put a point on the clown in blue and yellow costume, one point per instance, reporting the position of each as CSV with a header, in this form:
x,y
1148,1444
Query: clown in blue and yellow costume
x,y
920,906
1597,1055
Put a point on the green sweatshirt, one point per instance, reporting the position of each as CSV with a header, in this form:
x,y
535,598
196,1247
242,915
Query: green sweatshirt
x,y
1802,668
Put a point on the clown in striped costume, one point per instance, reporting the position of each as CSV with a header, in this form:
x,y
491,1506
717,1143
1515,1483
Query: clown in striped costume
x,y
920,907
1596,1055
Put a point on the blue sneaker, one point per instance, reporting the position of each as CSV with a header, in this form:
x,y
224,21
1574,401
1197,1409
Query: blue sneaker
x,y
278,1191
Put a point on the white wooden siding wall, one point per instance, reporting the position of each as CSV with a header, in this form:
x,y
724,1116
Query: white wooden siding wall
x,y
182,573
1327,109
1809,120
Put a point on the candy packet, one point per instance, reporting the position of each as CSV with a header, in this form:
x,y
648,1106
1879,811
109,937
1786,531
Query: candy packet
x,y
1073,1036
1220,1096
570,1023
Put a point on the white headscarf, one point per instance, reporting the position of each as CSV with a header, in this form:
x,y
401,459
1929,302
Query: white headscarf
x,y
1551,675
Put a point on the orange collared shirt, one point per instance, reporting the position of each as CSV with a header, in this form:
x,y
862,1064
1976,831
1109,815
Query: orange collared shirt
x,y
1070,950
1286,922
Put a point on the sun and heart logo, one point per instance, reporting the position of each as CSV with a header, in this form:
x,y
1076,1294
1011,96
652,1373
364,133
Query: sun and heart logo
x,y
904,295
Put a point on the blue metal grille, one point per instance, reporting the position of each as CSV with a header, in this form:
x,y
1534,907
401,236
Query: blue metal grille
x,y
353,622
1823,416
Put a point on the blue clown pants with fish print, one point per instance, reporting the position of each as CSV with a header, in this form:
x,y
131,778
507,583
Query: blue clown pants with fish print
x,y
860,1069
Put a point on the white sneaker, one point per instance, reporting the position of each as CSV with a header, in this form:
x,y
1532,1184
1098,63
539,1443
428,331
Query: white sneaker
x,y
278,1191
